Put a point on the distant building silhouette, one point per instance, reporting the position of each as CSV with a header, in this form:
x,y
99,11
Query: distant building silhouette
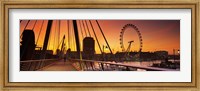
x,y
88,48
144,56
161,54
27,45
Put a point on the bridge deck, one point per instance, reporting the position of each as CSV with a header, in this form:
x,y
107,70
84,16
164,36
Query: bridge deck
x,y
59,66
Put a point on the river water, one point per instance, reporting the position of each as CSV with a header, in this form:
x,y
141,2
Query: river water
x,y
145,63
137,63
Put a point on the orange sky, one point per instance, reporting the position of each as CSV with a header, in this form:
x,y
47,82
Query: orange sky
x,y
156,34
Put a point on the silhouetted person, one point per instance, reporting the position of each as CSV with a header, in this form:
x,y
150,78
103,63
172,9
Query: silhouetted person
x,y
64,59
68,54
27,45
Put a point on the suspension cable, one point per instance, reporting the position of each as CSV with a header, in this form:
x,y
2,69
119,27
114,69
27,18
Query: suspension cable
x,y
68,34
58,31
33,28
40,31
54,33
34,25
95,36
25,27
60,42
73,40
87,28
66,38
27,24
104,36
48,42
84,28
81,29
49,39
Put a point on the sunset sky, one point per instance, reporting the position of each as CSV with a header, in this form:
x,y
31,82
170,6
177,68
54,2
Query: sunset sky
x,y
156,34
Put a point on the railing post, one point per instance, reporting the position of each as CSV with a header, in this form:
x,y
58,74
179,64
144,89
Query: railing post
x,y
107,66
39,64
35,66
92,66
127,68
99,66
29,67
102,66
86,66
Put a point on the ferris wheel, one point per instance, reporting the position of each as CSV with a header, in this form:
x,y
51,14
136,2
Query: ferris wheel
x,y
131,27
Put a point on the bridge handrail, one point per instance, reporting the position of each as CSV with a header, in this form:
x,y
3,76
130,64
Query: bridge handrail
x,y
26,61
128,65
30,65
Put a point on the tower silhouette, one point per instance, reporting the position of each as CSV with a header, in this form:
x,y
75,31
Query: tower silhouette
x,y
27,45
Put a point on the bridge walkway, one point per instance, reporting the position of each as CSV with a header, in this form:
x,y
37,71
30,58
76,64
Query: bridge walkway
x,y
59,66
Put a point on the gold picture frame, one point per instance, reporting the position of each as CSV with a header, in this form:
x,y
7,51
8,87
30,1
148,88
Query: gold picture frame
x,y
157,86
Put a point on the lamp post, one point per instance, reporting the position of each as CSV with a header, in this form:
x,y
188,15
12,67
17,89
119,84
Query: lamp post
x,y
104,47
103,54
174,53
179,54
178,51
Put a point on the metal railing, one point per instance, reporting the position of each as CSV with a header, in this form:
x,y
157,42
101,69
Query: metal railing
x,y
32,65
88,65
91,65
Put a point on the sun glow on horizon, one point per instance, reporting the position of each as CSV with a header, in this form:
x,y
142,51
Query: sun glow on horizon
x,y
156,34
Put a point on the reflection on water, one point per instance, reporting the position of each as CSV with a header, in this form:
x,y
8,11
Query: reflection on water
x,y
147,63
133,63
143,63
